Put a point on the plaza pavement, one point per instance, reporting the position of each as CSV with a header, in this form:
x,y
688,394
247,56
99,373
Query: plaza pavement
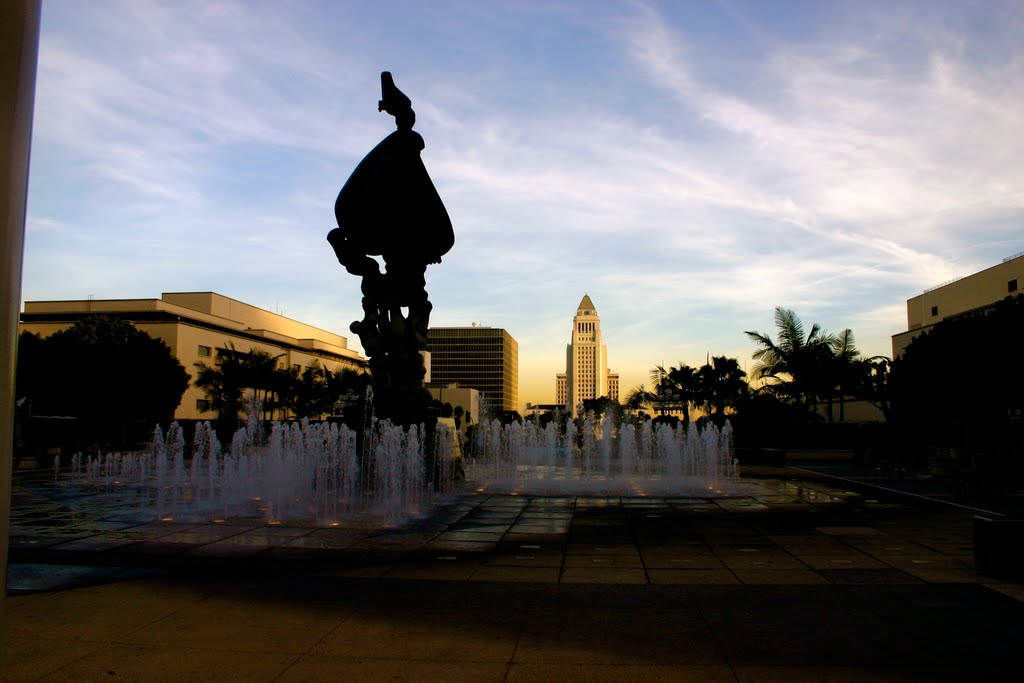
x,y
794,577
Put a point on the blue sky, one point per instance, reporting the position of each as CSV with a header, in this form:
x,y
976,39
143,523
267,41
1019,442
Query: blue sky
x,y
689,165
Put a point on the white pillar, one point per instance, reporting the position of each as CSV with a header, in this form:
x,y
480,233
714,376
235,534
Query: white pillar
x,y
19,45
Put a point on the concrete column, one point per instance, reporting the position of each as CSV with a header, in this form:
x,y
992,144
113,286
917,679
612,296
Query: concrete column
x,y
19,46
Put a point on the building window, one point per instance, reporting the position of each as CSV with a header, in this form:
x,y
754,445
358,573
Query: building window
x,y
204,351
203,405
296,367
1011,286
935,311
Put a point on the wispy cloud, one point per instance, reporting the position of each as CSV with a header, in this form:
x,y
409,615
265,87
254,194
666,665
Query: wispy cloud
x,y
691,167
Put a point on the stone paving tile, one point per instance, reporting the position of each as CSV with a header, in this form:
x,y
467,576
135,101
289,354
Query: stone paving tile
x,y
313,668
439,636
948,575
243,629
778,576
577,548
614,538
522,672
517,543
1014,590
92,544
517,574
480,527
531,514
322,541
224,549
761,561
358,571
26,578
466,535
842,560
681,561
543,540
270,535
691,576
524,559
603,574
862,674
442,569
163,528
30,658
620,561
172,663
81,616
441,545
634,637
867,576
158,547
539,528
29,542
387,543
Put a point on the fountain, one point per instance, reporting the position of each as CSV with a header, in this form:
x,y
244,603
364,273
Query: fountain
x,y
315,473
602,459
300,471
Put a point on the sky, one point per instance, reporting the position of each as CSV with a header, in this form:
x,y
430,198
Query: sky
x,y
689,165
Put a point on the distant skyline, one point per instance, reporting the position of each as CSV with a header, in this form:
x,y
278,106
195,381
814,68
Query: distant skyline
x,y
688,165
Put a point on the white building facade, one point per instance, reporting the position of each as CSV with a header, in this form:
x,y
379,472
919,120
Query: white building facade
x,y
586,362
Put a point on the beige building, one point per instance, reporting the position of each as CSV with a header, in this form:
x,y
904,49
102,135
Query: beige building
x,y
586,373
481,358
960,296
195,325
464,397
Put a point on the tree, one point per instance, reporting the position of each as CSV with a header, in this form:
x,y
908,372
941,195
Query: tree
x,y
348,392
959,384
309,394
263,377
874,386
850,374
674,389
684,383
223,384
720,384
600,406
638,397
105,372
798,362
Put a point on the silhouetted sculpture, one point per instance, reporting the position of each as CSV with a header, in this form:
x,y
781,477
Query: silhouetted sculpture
x,y
389,208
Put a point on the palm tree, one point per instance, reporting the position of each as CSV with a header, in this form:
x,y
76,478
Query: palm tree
x,y
262,376
223,383
672,389
311,395
851,372
875,386
685,384
638,397
721,383
798,362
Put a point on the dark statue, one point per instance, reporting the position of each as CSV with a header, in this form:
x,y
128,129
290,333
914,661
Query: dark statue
x,y
389,208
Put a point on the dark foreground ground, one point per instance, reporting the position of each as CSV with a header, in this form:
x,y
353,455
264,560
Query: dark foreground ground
x,y
796,577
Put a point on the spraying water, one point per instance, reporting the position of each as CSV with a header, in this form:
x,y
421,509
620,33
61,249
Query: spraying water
x,y
600,458
323,473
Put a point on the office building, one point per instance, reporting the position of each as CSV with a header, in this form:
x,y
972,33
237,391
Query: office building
x,y
477,357
196,325
586,373
963,295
